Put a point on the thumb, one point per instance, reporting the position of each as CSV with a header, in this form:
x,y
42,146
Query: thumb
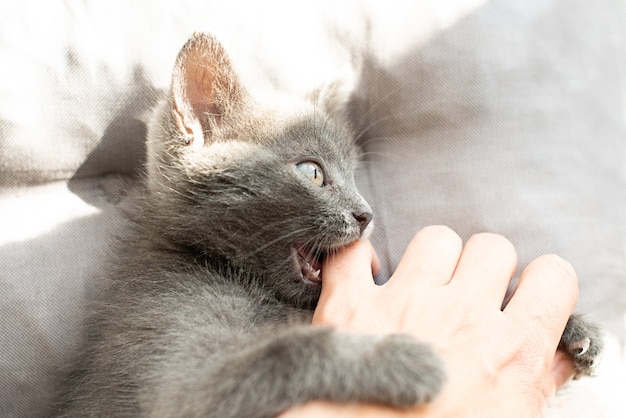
x,y
346,277
351,266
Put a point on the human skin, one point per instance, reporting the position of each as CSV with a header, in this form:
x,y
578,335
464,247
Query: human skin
x,y
498,361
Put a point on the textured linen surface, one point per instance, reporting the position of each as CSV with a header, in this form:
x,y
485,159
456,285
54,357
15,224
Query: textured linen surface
x,y
499,116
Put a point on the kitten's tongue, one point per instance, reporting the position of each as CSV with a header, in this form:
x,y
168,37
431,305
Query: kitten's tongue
x,y
311,266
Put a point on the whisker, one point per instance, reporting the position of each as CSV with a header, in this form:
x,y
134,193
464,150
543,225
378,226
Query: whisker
x,y
367,128
274,241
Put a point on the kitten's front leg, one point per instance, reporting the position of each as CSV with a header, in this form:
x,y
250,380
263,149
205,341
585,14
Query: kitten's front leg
x,y
304,364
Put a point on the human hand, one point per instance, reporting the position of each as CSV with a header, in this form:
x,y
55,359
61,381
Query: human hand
x,y
499,362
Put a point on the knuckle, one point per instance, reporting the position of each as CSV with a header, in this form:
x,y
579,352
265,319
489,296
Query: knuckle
x,y
491,238
441,232
496,244
567,274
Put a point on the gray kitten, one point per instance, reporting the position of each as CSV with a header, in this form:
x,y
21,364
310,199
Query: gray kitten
x,y
209,304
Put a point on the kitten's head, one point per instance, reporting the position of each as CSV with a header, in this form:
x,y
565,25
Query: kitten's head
x,y
266,188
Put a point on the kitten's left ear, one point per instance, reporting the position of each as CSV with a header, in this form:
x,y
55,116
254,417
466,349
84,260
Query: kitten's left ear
x,y
333,97
206,91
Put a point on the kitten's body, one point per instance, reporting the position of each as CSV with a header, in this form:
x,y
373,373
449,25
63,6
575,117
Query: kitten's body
x,y
209,304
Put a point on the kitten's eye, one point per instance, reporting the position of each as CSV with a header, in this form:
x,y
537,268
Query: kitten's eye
x,y
312,171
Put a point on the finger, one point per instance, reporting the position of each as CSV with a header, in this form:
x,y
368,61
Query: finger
x,y
485,268
346,281
349,268
375,263
429,259
563,369
316,409
547,293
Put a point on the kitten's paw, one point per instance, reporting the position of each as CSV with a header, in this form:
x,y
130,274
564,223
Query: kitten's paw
x,y
583,342
409,371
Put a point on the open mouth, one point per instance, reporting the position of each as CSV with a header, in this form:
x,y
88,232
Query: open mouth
x,y
310,260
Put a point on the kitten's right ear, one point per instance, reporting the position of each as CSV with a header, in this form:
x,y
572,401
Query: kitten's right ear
x,y
206,91
334,96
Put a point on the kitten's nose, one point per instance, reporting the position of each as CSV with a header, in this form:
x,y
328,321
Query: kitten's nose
x,y
363,217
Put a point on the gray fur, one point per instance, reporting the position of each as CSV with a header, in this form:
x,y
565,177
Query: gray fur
x,y
582,340
207,313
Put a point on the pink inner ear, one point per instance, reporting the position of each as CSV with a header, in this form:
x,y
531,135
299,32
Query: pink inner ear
x,y
204,86
201,86
194,83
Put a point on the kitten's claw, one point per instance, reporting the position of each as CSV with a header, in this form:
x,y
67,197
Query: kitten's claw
x,y
582,346
582,341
